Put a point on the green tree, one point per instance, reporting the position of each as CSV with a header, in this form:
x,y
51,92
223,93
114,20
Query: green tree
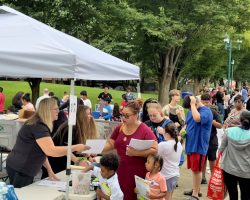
x,y
164,37
167,29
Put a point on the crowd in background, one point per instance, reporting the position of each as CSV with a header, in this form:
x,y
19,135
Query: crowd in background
x,y
170,126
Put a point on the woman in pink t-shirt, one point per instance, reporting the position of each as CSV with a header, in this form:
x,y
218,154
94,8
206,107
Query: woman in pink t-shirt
x,y
132,161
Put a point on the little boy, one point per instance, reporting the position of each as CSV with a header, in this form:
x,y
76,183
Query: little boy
x,y
110,188
85,99
107,110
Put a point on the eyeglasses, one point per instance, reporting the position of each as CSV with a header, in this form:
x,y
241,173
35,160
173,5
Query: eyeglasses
x,y
126,116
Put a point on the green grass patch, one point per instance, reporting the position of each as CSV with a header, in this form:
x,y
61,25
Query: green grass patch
x,y
10,88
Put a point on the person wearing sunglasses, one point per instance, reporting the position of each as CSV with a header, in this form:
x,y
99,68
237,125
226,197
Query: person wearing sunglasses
x,y
132,161
233,118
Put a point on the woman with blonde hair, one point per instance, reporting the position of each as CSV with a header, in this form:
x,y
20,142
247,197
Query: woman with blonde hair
x,y
132,161
174,111
34,144
84,129
157,121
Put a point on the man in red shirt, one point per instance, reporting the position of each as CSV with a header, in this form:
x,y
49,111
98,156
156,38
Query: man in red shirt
x,y
2,101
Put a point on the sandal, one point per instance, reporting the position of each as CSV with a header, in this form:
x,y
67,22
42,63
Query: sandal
x,y
190,192
193,198
204,181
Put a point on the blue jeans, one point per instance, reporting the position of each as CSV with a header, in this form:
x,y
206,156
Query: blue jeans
x,y
221,109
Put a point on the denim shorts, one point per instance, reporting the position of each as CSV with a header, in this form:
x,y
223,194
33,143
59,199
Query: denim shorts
x,y
171,183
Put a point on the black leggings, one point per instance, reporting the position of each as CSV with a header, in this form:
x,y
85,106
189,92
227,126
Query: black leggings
x,y
18,179
231,182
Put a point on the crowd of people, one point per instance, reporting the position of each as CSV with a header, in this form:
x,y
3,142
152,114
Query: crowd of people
x,y
42,141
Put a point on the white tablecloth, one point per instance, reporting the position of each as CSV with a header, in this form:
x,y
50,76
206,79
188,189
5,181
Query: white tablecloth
x,y
37,192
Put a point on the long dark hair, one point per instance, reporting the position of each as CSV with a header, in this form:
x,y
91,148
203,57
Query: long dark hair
x,y
116,110
16,100
172,131
83,130
145,116
26,97
245,120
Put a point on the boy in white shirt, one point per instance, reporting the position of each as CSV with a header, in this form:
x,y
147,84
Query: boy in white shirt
x,y
85,100
108,179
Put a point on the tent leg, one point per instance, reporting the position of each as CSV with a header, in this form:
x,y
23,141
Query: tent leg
x,y
68,170
138,89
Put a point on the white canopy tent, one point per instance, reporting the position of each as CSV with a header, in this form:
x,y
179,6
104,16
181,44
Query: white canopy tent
x,y
31,49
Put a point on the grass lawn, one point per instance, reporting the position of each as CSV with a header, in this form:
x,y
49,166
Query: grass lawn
x,y
10,88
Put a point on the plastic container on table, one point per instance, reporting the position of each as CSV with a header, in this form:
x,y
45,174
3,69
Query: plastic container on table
x,y
96,114
81,182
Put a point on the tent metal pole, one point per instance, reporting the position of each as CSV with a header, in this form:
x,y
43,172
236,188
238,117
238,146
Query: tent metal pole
x,y
138,89
68,170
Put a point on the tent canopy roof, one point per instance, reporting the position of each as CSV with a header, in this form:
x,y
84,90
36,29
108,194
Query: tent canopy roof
x,y
30,48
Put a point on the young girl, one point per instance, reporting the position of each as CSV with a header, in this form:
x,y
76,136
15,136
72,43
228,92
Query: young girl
x,y
158,187
170,150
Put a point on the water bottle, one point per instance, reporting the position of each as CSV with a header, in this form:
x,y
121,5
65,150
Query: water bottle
x,y
3,191
11,195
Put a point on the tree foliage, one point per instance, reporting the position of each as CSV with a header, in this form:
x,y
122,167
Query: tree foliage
x,y
168,39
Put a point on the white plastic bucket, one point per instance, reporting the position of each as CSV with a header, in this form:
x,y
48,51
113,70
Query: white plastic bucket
x,y
81,182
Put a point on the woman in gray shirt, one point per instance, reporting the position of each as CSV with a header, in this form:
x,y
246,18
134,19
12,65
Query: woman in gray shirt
x,y
235,158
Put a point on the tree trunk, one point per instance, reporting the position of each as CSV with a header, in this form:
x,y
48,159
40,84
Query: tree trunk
x,y
34,84
221,82
167,65
174,82
238,84
176,77
216,83
142,84
197,86
207,83
164,86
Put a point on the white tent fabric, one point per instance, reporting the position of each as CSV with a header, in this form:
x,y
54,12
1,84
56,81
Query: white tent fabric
x,y
29,48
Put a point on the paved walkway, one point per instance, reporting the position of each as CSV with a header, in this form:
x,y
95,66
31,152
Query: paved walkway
x,y
185,183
